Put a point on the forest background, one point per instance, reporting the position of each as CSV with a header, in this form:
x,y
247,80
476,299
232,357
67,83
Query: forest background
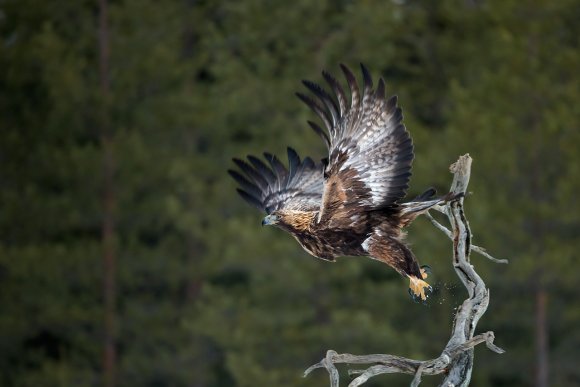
x,y
127,259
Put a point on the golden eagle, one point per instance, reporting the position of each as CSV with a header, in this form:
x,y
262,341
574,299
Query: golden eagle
x,y
349,203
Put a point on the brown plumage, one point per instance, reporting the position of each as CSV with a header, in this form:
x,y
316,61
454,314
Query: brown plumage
x,y
349,203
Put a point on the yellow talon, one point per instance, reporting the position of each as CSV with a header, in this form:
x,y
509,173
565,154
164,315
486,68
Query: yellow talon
x,y
418,286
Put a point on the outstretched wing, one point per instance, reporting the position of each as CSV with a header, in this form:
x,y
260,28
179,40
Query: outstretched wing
x,y
272,186
370,151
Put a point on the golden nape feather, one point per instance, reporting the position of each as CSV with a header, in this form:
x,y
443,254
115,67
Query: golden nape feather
x,y
297,220
349,204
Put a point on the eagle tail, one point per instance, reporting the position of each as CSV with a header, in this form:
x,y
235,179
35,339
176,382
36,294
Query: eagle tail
x,y
411,210
428,194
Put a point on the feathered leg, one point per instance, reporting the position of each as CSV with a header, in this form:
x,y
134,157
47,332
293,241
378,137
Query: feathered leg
x,y
396,254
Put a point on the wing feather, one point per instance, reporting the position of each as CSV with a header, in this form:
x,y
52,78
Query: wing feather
x,y
320,132
326,99
370,151
246,185
250,199
353,85
279,169
263,169
275,187
256,177
338,91
316,108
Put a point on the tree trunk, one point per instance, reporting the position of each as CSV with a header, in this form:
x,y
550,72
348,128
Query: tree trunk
x,y
541,328
108,225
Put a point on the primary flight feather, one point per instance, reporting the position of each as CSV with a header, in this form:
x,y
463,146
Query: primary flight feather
x,y
349,203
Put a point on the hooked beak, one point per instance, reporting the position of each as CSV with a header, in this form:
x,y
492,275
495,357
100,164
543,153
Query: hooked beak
x,y
270,220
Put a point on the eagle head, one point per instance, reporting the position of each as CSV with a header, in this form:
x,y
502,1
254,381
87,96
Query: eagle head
x,y
271,220
290,220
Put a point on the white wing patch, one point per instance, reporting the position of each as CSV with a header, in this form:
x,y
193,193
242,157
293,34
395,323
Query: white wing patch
x,y
365,244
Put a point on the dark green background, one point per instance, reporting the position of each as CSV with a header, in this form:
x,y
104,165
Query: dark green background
x,y
205,296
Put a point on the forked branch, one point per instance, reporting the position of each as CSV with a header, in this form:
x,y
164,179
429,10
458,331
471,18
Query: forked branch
x,y
456,359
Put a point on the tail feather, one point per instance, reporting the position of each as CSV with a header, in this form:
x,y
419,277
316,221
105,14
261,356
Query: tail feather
x,y
410,210
426,195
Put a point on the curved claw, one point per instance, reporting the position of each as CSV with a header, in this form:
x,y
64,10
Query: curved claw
x,y
417,298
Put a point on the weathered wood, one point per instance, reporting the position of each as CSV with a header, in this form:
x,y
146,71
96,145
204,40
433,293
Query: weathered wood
x,y
456,360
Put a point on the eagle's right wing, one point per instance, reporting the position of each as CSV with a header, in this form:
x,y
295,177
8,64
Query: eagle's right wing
x,y
370,151
274,187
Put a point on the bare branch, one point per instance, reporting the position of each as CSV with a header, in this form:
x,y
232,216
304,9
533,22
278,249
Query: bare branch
x,y
456,360
474,248
417,379
482,251
327,363
439,225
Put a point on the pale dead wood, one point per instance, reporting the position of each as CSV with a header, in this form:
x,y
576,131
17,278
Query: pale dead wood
x,y
474,248
456,359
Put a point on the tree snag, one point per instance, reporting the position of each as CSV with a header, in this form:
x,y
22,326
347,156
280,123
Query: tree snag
x,y
456,359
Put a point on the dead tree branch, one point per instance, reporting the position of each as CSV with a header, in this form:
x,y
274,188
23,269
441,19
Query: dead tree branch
x,y
456,360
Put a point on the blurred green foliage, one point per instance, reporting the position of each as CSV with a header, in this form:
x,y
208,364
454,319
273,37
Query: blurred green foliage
x,y
206,297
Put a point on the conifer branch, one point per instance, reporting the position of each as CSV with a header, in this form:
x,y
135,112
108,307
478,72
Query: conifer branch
x,y
456,359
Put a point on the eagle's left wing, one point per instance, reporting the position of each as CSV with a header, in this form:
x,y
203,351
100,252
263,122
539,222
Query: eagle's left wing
x,y
274,187
370,151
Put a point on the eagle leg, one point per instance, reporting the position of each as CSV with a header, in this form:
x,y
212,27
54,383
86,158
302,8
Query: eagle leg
x,y
418,288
